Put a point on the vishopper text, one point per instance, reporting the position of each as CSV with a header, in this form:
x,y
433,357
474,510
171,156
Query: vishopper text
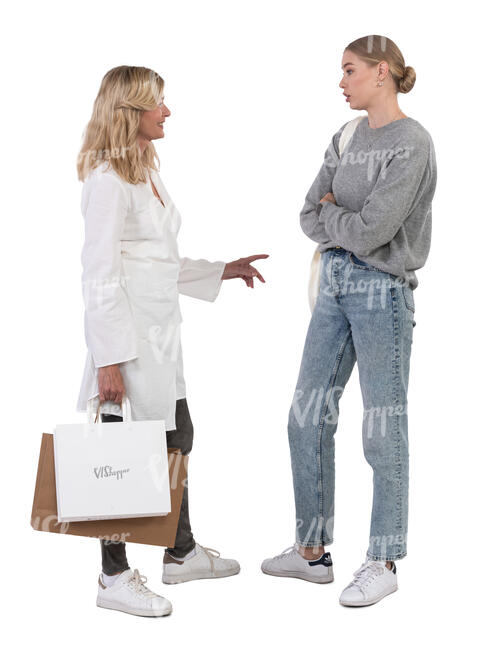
x,y
361,157
94,155
361,285
97,290
324,406
107,471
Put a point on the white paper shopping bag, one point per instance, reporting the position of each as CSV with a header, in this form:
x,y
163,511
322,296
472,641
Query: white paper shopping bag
x,y
111,470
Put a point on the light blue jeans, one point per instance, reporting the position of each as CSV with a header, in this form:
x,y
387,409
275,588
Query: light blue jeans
x,y
367,315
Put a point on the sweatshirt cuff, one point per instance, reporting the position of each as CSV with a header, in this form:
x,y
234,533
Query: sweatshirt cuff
x,y
327,210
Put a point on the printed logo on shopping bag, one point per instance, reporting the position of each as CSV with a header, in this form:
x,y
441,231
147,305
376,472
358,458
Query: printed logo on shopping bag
x,y
107,471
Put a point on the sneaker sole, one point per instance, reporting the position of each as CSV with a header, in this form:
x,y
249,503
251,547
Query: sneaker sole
x,y
302,576
130,610
367,602
175,580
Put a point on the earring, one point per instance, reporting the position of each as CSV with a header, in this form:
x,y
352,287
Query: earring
x,y
379,83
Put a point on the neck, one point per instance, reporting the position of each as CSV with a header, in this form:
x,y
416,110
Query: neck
x,y
142,143
384,114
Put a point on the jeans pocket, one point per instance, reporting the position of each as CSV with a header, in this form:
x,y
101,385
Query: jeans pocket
x,y
357,262
360,264
408,297
407,292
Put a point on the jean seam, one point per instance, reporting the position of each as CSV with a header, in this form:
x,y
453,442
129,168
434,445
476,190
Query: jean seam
x,y
339,357
396,433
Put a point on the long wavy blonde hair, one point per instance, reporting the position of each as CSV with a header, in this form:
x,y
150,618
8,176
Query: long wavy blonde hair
x,y
111,134
375,48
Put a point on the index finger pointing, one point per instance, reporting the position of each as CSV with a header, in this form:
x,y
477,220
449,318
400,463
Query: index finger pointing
x,y
255,257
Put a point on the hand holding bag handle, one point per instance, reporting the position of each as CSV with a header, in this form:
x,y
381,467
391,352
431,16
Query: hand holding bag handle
x,y
316,263
126,410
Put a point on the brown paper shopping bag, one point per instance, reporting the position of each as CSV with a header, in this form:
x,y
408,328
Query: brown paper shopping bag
x,y
158,531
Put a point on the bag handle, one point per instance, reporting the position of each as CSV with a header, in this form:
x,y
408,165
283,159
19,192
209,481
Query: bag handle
x,y
126,410
348,131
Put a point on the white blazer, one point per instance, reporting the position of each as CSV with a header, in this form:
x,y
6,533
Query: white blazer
x,y
131,280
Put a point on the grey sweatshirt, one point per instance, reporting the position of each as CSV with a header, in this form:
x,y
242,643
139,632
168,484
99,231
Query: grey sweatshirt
x,y
383,189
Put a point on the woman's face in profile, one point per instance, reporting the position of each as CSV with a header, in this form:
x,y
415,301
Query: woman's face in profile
x,y
151,122
358,80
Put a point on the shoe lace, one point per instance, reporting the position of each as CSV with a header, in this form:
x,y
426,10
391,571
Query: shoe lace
x,y
208,553
285,552
137,583
366,573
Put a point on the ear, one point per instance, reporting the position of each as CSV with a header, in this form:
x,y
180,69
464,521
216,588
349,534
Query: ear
x,y
383,69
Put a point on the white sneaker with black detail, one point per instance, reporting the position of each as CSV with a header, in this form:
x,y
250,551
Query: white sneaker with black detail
x,y
372,582
130,595
291,564
203,564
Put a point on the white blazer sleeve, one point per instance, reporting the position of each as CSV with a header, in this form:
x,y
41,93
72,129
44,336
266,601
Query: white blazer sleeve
x,y
109,328
200,278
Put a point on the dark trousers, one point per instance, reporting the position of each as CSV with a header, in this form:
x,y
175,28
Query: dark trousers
x,y
114,558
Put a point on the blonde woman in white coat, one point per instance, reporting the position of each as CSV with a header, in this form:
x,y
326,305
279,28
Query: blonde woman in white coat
x,y
132,275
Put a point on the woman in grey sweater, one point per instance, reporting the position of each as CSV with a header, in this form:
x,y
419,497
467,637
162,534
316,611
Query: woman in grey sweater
x,y
370,212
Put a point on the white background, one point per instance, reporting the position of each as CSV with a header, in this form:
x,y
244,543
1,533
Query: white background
x,y
253,91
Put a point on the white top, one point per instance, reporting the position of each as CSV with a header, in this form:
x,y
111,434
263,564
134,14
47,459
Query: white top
x,y
132,276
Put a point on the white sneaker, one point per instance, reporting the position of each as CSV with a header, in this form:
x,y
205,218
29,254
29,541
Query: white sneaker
x,y
202,565
130,595
290,564
373,580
